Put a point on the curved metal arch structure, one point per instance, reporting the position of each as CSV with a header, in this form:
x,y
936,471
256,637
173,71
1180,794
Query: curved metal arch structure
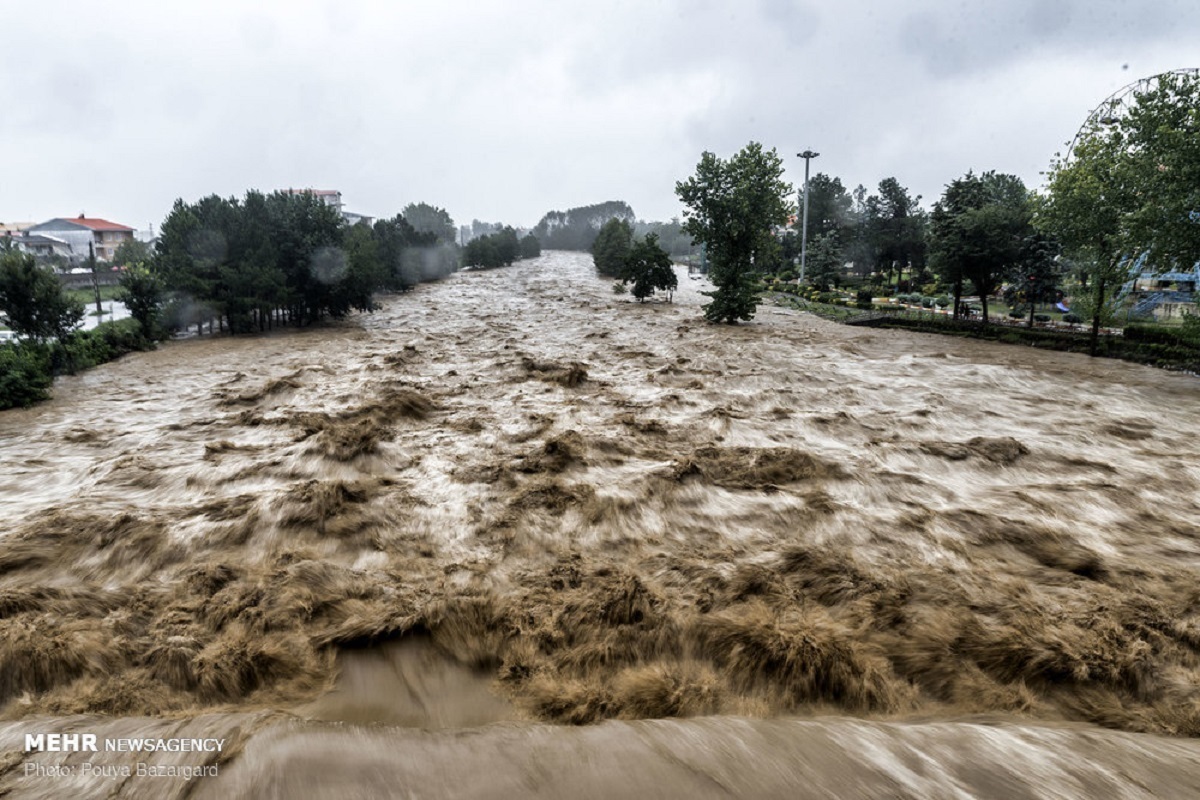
x,y
1110,110
1116,104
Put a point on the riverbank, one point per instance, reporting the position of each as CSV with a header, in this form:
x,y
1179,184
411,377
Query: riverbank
x,y
1165,350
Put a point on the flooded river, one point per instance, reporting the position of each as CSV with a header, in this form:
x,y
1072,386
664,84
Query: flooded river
x,y
405,553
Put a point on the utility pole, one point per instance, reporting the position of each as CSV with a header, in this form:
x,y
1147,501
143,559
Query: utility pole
x,y
95,282
807,155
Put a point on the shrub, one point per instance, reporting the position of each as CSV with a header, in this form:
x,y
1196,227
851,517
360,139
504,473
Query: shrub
x,y
1041,317
941,301
620,288
930,289
1073,319
105,342
25,376
1191,328
864,295
926,302
1155,334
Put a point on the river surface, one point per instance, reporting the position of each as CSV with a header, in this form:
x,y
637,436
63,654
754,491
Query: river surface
x,y
541,539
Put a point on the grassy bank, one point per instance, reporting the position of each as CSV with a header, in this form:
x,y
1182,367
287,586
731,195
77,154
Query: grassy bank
x,y
1140,344
88,296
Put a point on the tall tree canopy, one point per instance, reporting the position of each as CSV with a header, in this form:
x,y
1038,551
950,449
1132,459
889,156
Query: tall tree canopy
x,y
1129,189
1159,138
430,219
530,246
896,228
498,249
671,236
648,267
612,246
980,230
830,207
733,207
32,301
577,228
831,223
246,260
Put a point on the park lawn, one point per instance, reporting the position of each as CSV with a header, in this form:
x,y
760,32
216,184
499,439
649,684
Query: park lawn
x,y
88,295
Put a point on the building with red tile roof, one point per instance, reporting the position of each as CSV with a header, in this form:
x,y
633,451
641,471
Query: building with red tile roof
x,y
82,232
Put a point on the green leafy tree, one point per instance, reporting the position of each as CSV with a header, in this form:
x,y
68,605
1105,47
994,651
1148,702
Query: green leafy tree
x,y
648,267
979,229
612,246
1085,207
131,251
530,246
142,293
1159,140
1035,275
577,228
498,249
430,219
671,236
734,207
830,207
508,245
482,252
1128,192
896,229
25,375
393,237
824,261
32,301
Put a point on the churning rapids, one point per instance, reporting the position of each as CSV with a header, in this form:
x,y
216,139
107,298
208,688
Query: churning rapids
x,y
513,535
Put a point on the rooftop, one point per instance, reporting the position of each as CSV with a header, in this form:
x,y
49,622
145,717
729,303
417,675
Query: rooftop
x,y
97,224
91,223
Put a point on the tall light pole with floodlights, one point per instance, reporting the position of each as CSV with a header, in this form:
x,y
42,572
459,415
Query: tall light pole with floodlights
x,y
807,155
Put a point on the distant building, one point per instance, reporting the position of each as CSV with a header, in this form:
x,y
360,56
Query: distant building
x,y
333,198
353,218
80,232
42,246
14,228
330,197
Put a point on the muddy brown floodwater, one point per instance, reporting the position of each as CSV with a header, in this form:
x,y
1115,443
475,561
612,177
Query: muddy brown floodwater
x,y
407,552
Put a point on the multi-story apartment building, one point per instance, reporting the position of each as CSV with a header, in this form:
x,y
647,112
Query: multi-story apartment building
x,y
80,232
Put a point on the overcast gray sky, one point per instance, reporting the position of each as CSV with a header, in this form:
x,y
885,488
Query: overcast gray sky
x,y
502,111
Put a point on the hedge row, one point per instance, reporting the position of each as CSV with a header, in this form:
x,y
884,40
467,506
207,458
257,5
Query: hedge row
x,y
1179,353
27,369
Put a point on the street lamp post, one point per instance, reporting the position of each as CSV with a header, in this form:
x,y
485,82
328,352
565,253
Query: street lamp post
x,y
807,155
